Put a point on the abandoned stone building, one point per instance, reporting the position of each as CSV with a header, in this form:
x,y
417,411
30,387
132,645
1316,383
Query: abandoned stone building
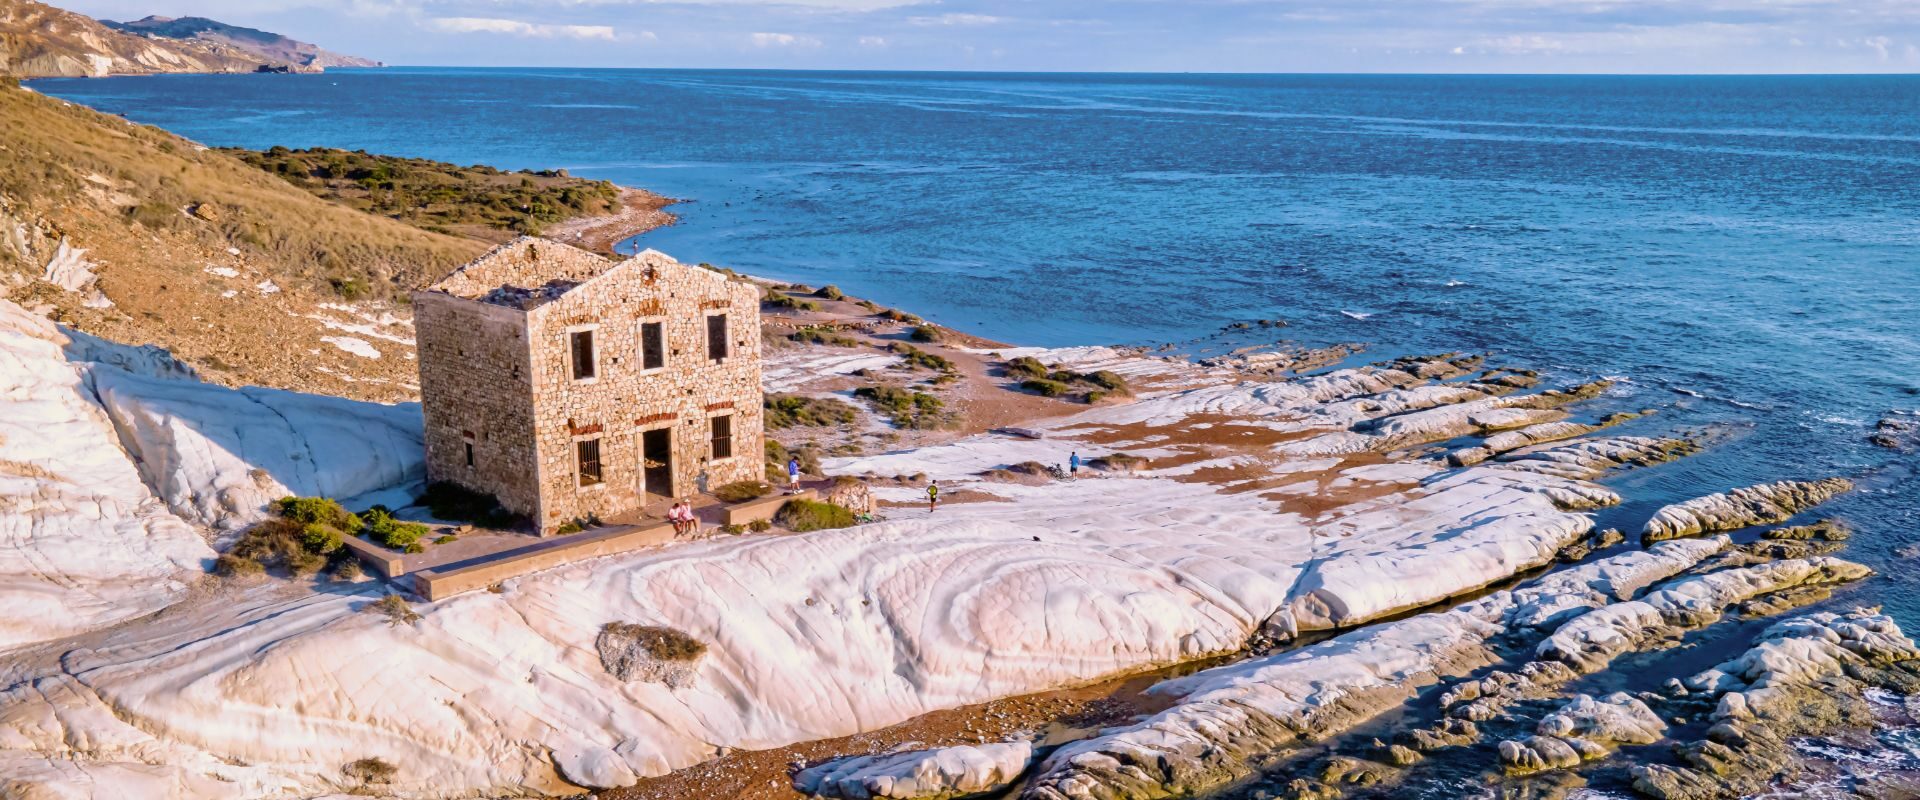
x,y
573,386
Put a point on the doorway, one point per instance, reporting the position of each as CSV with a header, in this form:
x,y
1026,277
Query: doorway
x,y
656,459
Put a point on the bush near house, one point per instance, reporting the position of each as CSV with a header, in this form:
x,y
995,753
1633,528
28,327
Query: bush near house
x,y
792,410
742,491
383,528
324,510
800,516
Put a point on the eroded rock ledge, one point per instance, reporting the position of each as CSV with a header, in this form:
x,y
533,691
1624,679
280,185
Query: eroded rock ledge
x,y
1751,505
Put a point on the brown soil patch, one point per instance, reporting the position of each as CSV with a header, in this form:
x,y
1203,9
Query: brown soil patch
x,y
1054,715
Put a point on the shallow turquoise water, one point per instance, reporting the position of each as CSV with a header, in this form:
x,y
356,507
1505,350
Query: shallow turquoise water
x,y
1743,251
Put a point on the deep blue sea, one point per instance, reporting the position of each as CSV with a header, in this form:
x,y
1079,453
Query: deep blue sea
x,y
1743,251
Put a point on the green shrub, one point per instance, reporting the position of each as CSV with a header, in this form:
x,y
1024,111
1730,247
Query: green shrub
x,y
814,334
383,528
348,569
790,410
742,491
1044,387
925,333
916,357
829,292
760,526
1031,468
320,538
1095,397
1026,367
322,510
896,315
229,565
1108,380
396,609
906,408
447,539
570,526
801,516
733,530
787,301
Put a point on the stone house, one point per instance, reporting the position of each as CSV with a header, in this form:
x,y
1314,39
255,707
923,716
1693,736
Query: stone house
x,y
570,386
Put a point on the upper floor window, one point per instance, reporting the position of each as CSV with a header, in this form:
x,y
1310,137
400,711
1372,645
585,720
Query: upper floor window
x,y
588,453
582,348
717,337
653,345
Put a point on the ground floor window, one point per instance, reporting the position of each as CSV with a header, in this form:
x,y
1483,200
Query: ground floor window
x,y
722,436
588,451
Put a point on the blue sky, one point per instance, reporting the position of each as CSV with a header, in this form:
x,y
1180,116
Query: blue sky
x,y
1622,36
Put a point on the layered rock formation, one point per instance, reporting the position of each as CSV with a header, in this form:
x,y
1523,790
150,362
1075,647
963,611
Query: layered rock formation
x,y
1751,505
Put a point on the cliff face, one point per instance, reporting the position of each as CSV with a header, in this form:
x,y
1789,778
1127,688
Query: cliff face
x,y
38,41
271,47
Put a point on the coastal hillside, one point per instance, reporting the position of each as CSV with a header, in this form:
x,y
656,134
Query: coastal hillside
x,y
270,47
38,40
478,201
134,234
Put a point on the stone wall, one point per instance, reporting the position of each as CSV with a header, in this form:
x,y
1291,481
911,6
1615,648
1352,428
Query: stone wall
x,y
476,389
499,375
620,401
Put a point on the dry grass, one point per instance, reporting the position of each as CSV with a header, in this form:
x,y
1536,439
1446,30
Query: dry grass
x,y
665,644
53,152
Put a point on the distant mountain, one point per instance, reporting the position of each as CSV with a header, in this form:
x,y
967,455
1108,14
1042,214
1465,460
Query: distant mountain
x,y
38,40
272,47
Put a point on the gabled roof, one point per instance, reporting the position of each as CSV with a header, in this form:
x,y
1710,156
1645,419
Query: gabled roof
x,y
529,272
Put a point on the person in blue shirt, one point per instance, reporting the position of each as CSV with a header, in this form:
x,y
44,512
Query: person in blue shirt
x,y
793,476
1073,464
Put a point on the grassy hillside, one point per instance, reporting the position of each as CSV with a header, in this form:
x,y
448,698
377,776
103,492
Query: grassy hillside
x,y
478,201
198,251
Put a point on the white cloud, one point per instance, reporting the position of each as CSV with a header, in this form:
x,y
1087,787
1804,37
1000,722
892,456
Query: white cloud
x,y
513,27
783,40
873,41
957,19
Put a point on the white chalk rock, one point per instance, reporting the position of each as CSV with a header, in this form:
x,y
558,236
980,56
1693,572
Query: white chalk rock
x,y
83,543
217,455
1749,505
940,774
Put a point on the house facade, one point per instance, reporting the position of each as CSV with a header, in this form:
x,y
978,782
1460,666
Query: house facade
x,y
572,386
